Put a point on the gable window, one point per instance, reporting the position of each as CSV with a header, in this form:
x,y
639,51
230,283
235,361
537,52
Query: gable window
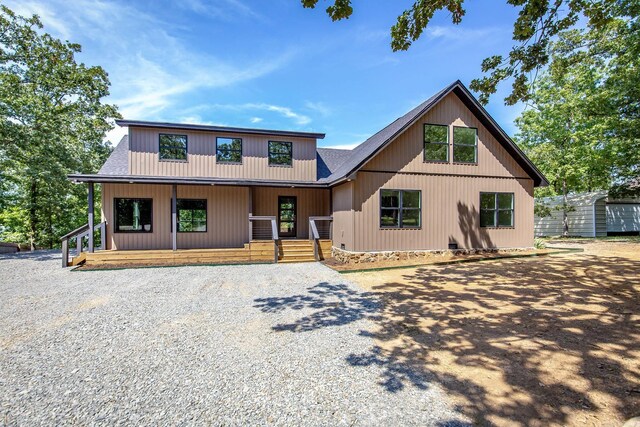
x,y
496,209
280,153
133,215
191,215
436,143
465,145
173,147
228,150
400,209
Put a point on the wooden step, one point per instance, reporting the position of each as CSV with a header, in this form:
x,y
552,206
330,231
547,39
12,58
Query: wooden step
x,y
288,261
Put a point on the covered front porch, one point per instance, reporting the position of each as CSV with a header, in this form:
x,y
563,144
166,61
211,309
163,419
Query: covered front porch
x,y
158,224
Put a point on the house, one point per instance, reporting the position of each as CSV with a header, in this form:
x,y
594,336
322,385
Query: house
x,y
442,176
592,214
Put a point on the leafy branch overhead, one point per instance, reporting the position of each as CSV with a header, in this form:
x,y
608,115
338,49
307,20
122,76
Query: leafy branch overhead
x,y
537,24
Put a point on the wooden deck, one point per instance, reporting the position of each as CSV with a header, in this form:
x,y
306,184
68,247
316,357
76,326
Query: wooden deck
x,y
258,251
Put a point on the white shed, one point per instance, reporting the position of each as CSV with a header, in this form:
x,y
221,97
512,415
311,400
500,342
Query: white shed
x,y
594,215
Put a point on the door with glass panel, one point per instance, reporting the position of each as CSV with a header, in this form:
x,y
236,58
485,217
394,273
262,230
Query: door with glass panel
x,y
287,207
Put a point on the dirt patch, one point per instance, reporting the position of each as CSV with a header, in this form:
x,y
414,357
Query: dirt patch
x,y
444,258
530,341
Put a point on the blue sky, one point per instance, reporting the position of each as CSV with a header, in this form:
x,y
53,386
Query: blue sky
x,y
272,63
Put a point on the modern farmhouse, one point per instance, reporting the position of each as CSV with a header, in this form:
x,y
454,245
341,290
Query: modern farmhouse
x,y
442,176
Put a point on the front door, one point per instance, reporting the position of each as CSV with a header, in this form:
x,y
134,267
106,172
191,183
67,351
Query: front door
x,y
287,216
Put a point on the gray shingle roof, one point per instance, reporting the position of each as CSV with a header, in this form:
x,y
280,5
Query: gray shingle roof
x,y
329,159
118,161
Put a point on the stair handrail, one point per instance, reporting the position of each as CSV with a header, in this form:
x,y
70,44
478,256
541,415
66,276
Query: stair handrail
x,y
314,235
78,234
274,231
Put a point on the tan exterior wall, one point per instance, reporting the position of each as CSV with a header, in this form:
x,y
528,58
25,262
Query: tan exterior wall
x,y
227,217
450,213
201,156
406,152
343,215
310,202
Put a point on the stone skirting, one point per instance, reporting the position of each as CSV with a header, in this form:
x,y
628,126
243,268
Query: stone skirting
x,y
348,257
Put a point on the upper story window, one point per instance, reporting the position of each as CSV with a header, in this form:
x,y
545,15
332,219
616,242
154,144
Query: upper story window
x,y
280,153
191,215
133,215
400,209
228,150
496,209
173,147
436,143
465,145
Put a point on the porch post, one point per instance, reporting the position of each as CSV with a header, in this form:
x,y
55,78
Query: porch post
x,y
174,217
250,213
90,210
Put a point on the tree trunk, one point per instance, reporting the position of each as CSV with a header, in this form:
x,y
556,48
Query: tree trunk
x,y
565,217
33,218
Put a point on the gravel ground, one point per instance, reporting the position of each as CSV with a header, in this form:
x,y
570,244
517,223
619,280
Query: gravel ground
x,y
229,345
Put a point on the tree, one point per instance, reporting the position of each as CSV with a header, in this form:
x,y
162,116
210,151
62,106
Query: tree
x,y
52,123
538,23
565,134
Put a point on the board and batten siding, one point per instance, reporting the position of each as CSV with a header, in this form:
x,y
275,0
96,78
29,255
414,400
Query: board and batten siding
x,y
342,202
406,152
450,213
201,156
310,202
227,217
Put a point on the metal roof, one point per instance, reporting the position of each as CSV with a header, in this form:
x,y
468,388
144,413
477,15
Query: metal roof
x,y
222,129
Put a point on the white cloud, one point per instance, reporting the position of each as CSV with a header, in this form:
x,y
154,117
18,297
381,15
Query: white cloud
x,y
287,112
343,146
224,9
48,16
115,135
458,33
256,119
318,107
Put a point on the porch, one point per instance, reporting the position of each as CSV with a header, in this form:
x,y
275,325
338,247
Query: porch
x,y
197,224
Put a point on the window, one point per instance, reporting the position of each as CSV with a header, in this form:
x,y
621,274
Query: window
x,y
280,153
191,215
465,145
133,215
400,209
228,150
496,209
436,143
173,147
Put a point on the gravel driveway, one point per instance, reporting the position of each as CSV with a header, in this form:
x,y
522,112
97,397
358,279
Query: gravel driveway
x,y
229,345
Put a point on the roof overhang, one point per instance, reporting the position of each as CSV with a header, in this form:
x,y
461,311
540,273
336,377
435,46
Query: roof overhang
x,y
169,180
221,129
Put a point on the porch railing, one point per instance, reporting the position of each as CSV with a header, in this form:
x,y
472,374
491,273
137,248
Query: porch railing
x,y
258,230
79,234
320,227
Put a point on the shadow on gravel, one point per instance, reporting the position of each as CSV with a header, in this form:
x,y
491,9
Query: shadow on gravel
x,y
43,255
531,342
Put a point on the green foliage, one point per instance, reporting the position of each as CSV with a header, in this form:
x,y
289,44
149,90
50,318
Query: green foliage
x,y
539,244
541,210
52,123
538,23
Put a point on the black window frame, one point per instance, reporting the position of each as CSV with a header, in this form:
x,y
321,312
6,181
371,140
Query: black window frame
x,y
400,210
206,215
186,148
424,143
115,215
453,146
225,162
496,210
269,152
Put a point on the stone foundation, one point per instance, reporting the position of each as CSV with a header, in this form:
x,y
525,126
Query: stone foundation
x,y
348,257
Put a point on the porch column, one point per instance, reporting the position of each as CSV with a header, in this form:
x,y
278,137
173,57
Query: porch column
x,y
174,216
250,213
90,211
